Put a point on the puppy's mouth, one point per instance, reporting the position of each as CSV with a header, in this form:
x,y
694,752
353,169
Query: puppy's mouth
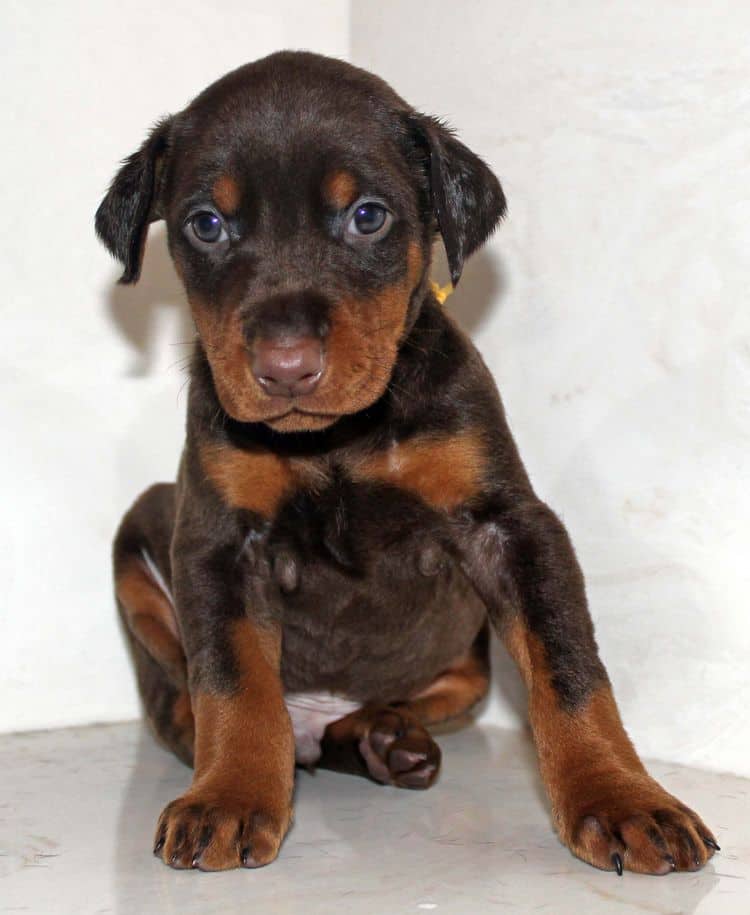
x,y
297,419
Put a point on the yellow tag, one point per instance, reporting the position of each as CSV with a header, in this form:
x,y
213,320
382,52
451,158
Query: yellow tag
x,y
441,293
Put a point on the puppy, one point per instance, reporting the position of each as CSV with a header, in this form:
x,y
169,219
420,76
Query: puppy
x,y
350,512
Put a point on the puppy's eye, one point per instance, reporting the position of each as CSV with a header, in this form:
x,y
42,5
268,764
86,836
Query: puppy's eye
x,y
207,227
368,219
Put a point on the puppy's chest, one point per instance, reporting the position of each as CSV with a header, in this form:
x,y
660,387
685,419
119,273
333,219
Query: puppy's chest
x,y
359,552
372,599
443,472
346,526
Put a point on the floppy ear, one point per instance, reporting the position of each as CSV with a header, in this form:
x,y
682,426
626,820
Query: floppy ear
x,y
466,196
133,201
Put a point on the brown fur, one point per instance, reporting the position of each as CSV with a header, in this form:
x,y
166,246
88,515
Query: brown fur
x,y
183,724
227,193
254,480
150,617
361,347
445,472
453,693
339,188
221,336
228,798
597,785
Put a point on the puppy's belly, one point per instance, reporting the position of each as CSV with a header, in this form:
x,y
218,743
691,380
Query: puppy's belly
x,y
379,605
311,713
378,641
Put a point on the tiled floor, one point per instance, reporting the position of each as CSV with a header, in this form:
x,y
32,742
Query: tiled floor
x,y
78,808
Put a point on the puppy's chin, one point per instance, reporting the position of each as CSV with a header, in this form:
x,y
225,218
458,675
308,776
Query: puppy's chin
x,y
292,421
295,421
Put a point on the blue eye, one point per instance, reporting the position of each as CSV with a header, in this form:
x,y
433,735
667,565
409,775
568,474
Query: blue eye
x,y
207,227
369,218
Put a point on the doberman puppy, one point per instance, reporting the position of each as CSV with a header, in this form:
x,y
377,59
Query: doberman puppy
x,y
350,512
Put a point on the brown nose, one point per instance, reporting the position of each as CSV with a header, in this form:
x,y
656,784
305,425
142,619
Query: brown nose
x,y
287,367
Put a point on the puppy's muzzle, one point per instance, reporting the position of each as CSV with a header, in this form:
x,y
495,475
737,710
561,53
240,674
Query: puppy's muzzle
x,y
287,366
285,336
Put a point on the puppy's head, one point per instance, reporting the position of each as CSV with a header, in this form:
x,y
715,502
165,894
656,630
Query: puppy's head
x,y
301,197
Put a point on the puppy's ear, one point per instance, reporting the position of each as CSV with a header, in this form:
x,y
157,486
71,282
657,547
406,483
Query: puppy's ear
x,y
467,199
133,201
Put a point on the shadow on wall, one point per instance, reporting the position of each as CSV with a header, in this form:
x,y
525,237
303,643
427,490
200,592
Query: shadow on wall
x,y
480,291
135,309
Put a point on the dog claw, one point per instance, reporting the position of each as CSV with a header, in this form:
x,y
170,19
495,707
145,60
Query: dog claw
x,y
617,861
711,844
671,861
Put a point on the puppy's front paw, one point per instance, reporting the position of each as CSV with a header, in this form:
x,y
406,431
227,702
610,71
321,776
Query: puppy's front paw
x,y
622,820
399,751
216,832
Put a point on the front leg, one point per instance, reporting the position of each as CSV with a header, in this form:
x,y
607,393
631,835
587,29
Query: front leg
x,y
239,806
605,806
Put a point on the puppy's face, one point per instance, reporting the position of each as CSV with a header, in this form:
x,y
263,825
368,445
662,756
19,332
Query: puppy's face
x,y
294,224
299,195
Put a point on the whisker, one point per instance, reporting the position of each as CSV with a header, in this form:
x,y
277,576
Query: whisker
x,y
182,388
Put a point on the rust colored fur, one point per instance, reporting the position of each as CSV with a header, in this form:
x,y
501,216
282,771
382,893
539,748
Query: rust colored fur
x,y
446,472
227,193
235,813
256,481
603,800
340,188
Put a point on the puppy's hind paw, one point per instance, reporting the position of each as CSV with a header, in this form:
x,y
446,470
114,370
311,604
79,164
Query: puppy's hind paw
x,y
399,751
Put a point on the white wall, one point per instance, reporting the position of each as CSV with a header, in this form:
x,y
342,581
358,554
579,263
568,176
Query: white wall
x,y
90,410
613,310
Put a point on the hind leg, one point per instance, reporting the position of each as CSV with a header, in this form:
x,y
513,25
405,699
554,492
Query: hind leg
x,y
390,743
143,591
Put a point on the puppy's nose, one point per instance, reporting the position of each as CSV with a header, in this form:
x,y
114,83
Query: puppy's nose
x,y
287,367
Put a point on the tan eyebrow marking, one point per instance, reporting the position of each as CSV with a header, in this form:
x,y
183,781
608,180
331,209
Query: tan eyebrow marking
x,y
227,194
340,188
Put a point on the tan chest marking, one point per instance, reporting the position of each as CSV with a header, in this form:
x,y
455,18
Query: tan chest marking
x,y
445,472
256,480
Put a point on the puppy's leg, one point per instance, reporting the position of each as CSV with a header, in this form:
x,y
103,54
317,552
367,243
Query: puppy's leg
x,y
239,806
142,588
234,727
606,807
